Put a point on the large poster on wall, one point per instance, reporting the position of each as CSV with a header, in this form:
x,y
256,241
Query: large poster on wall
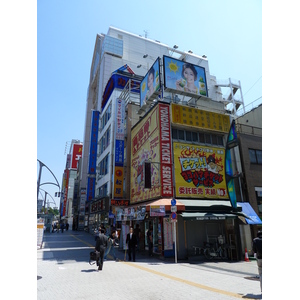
x,y
184,77
151,143
145,147
199,171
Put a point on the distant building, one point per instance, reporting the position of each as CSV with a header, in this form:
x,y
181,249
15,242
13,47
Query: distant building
x,y
69,187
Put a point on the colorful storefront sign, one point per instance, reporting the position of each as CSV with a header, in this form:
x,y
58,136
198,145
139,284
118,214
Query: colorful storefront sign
x,y
199,171
118,175
157,211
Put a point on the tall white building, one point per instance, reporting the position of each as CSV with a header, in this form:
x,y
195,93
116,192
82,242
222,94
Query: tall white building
x,y
116,49
121,63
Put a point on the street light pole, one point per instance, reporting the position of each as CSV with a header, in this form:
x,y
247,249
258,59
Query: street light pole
x,y
40,175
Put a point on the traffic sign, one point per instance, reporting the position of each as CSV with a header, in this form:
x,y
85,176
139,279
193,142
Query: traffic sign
x,y
173,208
173,202
174,215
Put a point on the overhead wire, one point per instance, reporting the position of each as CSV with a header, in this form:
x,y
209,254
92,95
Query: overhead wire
x,y
253,85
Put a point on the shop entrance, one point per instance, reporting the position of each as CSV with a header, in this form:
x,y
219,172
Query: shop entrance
x,y
156,226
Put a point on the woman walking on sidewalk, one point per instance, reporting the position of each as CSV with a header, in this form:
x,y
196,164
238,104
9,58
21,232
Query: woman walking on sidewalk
x,y
111,244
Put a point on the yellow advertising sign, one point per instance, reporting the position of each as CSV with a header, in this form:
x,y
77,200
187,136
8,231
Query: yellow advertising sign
x,y
194,117
145,147
199,171
118,182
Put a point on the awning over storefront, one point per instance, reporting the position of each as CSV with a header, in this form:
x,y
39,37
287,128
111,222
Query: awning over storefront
x,y
167,203
199,216
214,206
249,211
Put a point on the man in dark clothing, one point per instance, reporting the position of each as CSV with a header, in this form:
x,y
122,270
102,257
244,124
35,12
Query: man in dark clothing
x,y
132,242
257,248
150,240
101,244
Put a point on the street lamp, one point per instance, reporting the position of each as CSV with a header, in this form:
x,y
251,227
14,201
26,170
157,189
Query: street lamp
x,y
40,175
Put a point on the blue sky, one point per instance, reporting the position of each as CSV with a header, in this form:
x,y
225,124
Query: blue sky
x,y
228,32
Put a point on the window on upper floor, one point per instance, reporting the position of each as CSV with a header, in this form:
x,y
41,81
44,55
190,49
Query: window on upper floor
x,y
195,137
113,46
255,156
106,116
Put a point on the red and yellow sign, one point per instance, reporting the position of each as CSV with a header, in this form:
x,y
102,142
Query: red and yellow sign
x,y
190,116
118,182
151,143
199,171
145,147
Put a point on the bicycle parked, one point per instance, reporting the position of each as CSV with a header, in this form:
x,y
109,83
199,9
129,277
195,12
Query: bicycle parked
x,y
220,251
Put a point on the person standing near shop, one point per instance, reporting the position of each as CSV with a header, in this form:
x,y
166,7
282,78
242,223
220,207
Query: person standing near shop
x,y
101,244
257,248
111,244
137,232
150,240
132,242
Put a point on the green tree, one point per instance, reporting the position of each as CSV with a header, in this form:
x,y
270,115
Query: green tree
x,y
53,211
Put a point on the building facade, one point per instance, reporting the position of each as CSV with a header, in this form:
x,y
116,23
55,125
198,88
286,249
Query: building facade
x,y
68,200
156,130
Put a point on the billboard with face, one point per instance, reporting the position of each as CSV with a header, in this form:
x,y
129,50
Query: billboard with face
x,y
184,77
150,86
199,171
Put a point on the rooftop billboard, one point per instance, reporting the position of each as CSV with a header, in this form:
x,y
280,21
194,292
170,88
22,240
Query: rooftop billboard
x,y
184,77
151,84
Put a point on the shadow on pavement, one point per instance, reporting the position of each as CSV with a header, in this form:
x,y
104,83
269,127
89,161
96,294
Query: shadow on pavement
x,y
251,296
89,271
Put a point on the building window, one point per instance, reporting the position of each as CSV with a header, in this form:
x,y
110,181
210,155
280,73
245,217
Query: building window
x,y
180,134
106,116
207,139
103,190
174,134
259,201
188,136
104,166
255,156
201,138
195,137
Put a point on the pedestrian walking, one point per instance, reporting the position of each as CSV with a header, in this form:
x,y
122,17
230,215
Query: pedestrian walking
x,y
257,249
150,240
58,227
62,227
67,226
101,244
132,242
111,244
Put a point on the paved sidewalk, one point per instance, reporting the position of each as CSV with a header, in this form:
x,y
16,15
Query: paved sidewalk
x,y
63,272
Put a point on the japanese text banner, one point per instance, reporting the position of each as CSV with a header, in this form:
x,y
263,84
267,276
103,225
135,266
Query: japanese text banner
x,y
199,171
